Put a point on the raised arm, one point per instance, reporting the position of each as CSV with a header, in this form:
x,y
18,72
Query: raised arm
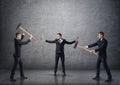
x,y
23,35
24,42
20,42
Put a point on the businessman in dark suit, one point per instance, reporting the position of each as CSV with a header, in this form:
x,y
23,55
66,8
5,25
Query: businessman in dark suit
x,y
102,56
17,55
60,42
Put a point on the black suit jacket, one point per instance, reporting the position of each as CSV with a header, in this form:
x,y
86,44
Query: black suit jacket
x,y
60,46
102,46
18,44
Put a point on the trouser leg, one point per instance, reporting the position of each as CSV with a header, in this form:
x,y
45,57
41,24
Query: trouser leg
x,y
63,63
98,67
21,68
16,59
107,69
56,62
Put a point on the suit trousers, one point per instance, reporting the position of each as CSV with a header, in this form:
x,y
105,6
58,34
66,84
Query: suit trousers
x,y
62,57
99,60
17,60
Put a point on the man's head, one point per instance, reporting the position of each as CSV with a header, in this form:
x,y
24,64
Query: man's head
x,y
100,35
18,36
59,36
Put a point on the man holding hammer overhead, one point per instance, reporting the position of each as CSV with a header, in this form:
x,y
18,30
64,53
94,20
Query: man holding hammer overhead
x,y
102,56
17,55
60,42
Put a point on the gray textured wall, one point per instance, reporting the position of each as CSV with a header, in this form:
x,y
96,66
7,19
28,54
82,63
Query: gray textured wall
x,y
83,18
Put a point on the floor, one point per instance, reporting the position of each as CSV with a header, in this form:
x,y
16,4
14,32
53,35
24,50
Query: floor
x,y
46,77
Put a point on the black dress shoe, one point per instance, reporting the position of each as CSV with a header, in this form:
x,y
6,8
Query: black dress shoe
x,y
13,80
96,78
23,77
108,80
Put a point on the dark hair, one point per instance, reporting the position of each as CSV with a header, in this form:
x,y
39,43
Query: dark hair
x,y
59,34
17,34
101,33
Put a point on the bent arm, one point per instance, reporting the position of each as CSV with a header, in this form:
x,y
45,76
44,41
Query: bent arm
x,y
22,36
24,42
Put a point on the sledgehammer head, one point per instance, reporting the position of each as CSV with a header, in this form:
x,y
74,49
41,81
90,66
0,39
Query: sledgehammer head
x,y
76,43
18,26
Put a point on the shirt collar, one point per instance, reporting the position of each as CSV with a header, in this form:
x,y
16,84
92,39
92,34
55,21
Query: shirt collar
x,y
101,39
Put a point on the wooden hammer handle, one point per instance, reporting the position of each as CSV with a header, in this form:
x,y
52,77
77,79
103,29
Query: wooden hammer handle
x,y
82,47
23,30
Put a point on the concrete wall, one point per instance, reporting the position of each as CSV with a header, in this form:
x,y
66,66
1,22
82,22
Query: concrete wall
x,y
83,18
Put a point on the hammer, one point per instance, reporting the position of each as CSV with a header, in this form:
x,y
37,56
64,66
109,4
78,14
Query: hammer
x,y
25,31
82,47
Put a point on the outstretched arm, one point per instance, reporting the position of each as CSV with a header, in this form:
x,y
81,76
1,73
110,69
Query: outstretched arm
x,y
70,42
92,45
50,41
